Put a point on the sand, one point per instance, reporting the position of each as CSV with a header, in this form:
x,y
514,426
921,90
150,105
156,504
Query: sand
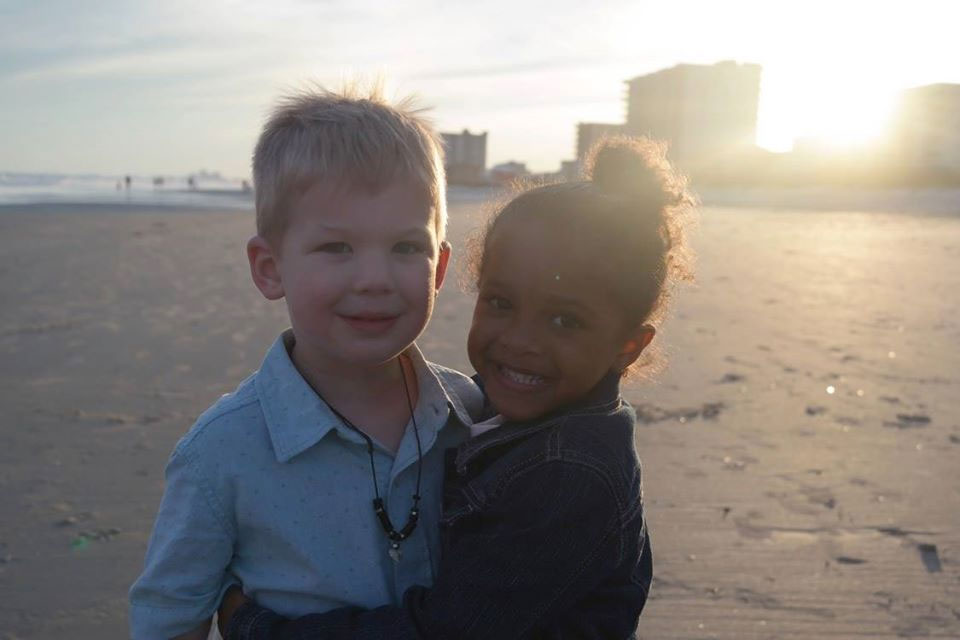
x,y
801,448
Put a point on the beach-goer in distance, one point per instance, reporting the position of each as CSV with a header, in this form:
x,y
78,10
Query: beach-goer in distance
x,y
543,528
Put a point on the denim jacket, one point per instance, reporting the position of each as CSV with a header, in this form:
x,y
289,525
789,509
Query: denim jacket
x,y
543,536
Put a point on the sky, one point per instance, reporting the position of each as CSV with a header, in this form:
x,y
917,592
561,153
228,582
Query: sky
x,y
173,87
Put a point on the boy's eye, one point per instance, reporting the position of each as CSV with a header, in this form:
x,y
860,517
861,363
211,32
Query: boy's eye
x,y
498,303
566,321
334,247
408,248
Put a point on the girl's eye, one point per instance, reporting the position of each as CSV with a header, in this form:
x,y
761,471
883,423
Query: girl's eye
x,y
334,247
566,321
498,303
408,248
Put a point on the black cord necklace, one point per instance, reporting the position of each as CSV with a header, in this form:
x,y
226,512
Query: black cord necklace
x,y
395,537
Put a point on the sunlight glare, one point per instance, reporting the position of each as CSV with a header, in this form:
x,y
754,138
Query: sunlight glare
x,y
831,108
850,117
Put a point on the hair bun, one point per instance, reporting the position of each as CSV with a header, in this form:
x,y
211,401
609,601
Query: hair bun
x,y
616,164
636,168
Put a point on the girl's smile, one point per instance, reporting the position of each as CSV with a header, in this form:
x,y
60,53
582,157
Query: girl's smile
x,y
518,379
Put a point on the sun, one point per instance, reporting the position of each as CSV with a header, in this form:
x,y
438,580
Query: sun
x,y
848,117
834,110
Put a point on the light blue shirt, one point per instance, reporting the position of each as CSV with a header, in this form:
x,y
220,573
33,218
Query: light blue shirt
x,y
270,488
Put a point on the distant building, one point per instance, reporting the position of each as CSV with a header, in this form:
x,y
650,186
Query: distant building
x,y
702,111
569,170
926,131
465,157
507,171
589,133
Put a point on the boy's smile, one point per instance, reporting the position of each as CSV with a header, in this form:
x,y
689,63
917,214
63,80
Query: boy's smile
x,y
359,271
547,326
371,323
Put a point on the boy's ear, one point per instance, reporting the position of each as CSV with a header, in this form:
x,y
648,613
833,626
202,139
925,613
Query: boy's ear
x,y
443,260
638,340
263,268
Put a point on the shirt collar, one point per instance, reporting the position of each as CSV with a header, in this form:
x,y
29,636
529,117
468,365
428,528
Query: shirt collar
x,y
603,398
297,417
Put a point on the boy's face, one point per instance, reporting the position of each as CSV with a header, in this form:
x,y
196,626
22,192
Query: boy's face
x,y
547,326
359,272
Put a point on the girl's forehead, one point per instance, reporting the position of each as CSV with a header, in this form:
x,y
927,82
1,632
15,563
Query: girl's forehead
x,y
538,238
533,252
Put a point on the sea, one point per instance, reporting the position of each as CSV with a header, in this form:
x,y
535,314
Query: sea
x,y
214,191
207,190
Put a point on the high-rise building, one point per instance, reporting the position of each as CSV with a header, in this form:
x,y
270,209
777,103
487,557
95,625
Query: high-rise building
x,y
926,130
465,157
702,111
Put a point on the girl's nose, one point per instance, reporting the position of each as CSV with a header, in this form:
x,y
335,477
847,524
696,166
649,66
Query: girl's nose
x,y
520,338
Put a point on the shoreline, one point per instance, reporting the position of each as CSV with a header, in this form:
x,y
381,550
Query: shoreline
x,y
81,208
921,200
939,201
72,208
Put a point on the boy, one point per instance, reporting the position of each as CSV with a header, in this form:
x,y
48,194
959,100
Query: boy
x,y
316,484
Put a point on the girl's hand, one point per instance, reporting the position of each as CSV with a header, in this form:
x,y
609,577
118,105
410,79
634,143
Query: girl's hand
x,y
233,599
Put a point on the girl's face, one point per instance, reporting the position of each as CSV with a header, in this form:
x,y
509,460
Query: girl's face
x,y
547,325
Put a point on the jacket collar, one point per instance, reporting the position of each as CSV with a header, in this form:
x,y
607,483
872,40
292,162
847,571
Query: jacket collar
x,y
603,398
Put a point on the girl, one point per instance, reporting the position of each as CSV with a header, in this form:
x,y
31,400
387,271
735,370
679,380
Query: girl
x,y
543,527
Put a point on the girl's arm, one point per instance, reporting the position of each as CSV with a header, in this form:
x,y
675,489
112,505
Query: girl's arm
x,y
535,557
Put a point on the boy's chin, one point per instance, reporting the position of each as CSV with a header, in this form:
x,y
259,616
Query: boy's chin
x,y
374,359
359,358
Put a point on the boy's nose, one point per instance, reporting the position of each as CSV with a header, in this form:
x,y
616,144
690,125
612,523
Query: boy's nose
x,y
373,274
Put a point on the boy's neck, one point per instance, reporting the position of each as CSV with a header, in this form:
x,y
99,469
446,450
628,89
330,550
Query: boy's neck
x,y
372,397
335,381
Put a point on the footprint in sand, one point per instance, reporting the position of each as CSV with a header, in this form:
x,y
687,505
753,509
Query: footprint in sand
x,y
930,557
849,560
909,421
730,378
847,421
789,501
820,496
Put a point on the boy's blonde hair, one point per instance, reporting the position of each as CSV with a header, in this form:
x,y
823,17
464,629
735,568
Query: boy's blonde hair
x,y
352,137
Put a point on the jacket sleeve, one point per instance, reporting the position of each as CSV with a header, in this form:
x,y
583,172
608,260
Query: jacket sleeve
x,y
530,559
185,571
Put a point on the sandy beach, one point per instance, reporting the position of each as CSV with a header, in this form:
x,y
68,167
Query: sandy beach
x,y
801,448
